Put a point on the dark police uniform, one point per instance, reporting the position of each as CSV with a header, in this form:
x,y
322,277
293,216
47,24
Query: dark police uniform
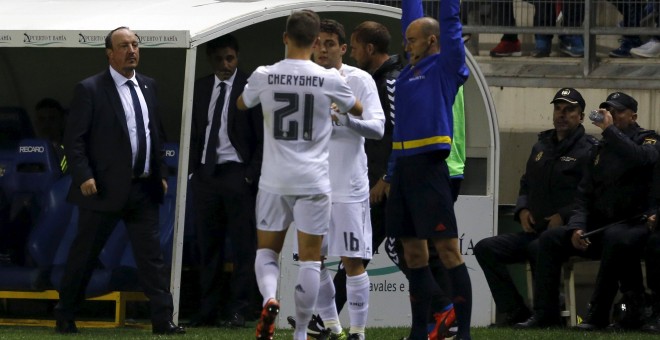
x,y
554,170
615,190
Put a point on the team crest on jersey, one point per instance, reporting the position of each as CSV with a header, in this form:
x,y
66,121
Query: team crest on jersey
x,y
651,141
417,75
539,156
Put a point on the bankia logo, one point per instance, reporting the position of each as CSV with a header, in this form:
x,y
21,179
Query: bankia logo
x,y
43,39
91,40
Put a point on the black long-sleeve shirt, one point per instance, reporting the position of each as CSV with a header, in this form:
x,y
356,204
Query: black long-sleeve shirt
x,y
617,183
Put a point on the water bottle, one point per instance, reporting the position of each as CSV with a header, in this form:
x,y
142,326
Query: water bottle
x,y
596,117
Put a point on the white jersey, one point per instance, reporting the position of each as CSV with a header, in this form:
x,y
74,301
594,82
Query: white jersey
x,y
295,97
348,161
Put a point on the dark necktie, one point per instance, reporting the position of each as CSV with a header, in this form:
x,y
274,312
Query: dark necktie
x,y
138,169
214,133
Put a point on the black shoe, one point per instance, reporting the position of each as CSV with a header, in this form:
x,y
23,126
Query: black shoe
x,y
536,322
590,327
167,327
653,325
66,327
516,316
315,327
237,320
595,319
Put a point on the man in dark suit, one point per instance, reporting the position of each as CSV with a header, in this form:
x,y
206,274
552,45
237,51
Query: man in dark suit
x,y
225,159
113,143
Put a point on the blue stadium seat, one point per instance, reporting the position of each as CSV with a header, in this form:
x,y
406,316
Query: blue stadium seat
x,y
43,242
33,172
15,125
28,178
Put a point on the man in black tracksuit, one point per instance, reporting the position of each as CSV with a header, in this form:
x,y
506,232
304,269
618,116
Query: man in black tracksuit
x,y
554,170
614,193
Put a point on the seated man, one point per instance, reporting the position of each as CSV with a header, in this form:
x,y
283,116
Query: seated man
x,y
613,193
554,170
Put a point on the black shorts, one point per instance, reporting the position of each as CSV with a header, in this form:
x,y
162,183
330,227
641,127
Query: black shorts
x,y
420,203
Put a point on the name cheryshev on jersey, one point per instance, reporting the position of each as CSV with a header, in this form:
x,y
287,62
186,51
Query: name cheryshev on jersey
x,y
289,79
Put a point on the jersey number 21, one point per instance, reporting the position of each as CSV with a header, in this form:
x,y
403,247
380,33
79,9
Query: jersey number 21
x,y
293,106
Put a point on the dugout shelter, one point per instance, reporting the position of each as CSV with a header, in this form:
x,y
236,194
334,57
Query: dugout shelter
x,y
46,47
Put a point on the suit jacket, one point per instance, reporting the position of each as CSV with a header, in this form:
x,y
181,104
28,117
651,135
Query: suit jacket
x,y
97,143
245,128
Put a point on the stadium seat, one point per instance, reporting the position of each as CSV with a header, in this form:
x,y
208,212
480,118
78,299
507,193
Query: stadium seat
x,y
15,125
34,169
43,242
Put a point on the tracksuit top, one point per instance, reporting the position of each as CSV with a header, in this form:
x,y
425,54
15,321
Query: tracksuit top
x,y
425,92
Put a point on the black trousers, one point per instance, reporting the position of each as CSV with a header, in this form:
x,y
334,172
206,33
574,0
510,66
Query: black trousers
x,y
140,215
652,259
494,253
225,207
617,247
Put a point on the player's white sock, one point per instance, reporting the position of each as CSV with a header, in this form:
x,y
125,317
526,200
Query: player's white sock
x,y
357,296
267,270
305,294
325,304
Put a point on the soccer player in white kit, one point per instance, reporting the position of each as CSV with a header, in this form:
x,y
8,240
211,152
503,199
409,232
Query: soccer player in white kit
x,y
295,95
350,224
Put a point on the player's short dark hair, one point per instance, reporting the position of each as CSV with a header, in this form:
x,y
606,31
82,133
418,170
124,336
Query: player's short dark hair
x,y
371,32
334,27
226,40
108,38
303,27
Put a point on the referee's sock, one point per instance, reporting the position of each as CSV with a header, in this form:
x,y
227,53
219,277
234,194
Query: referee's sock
x,y
422,287
462,298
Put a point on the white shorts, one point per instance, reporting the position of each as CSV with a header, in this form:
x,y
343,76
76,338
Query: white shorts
x,y
276,212
350,230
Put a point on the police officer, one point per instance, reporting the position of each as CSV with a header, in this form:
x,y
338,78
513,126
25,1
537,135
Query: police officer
x,y
613,193
554,170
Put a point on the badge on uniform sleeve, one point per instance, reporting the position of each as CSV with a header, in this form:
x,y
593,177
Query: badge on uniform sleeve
x,y
649,141
539,156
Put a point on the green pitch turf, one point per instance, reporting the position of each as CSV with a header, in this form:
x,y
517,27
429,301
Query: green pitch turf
x,y
43,333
